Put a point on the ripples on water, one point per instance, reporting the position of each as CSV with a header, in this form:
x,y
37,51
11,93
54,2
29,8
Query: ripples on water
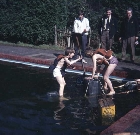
x,y
27,110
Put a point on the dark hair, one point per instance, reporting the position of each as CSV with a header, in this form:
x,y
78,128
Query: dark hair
x,y
108,9
69,50
81,12
130,9
89,52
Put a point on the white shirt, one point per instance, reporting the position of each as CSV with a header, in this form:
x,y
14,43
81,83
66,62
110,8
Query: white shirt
x,y
80,25
106,21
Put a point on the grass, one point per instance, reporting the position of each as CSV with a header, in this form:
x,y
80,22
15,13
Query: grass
x,y
43,46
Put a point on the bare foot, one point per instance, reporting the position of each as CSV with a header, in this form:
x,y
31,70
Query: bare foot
x,y
111,93
63,98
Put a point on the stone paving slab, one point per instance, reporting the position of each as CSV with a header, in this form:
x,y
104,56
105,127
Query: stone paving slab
x,y
128,123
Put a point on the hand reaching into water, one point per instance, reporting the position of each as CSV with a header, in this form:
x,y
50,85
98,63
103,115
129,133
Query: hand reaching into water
x,y
90,77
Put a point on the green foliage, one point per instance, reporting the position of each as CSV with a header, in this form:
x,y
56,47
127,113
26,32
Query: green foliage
x,y
33,21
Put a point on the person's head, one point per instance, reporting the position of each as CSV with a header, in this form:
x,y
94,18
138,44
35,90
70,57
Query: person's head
x,y
81,15
129,12
69,52
108,54
108,12
89,52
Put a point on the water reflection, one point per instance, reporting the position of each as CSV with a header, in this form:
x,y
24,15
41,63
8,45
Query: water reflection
x,y
58,110
79,115
26,108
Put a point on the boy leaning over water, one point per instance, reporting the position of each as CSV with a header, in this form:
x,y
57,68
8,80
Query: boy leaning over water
x,y
59,66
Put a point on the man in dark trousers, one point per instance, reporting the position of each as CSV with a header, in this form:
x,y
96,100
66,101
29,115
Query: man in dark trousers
x,y
129,34
107,29
81,29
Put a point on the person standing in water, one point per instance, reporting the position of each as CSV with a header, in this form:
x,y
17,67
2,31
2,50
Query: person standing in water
x,y
101,56
59,66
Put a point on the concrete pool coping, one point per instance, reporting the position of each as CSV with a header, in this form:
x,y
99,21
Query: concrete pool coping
x,y
129,73
120,79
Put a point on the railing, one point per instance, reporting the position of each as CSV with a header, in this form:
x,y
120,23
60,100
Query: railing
x,y
63,37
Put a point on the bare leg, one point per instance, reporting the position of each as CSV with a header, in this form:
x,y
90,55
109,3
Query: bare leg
x,y
62,84
105,86
103,73
109,70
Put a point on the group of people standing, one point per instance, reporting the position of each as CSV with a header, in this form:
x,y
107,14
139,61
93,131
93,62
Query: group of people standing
x,y
104,55
108,27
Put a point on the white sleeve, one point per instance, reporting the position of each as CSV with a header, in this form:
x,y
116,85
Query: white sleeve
x,y
87,25
75,28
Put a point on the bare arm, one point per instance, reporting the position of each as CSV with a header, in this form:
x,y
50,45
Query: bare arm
x,y
71,62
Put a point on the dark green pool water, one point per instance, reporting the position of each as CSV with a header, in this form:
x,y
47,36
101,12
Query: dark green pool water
x,y
25,108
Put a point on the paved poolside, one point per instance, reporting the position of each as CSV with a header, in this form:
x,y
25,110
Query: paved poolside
x,y
46,57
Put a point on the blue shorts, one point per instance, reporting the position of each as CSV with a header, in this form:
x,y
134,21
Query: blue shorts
x,y
113,60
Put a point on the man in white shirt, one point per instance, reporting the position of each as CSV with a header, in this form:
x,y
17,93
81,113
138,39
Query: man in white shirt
x,y
81,29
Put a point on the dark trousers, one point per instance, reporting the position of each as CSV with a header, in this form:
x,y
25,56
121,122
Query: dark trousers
x,y
130,42
106,41
80,43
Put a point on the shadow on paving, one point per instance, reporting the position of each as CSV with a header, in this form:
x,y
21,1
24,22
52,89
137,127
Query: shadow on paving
x,y
132,73
129,62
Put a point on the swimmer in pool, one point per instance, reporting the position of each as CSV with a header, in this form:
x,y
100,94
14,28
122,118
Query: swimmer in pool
x,y
101,56
60,64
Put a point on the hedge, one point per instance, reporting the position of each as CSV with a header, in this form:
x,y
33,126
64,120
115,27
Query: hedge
x,y
33,21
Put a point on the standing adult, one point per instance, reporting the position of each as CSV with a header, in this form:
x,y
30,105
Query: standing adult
x,y
129,34
107,29
81,29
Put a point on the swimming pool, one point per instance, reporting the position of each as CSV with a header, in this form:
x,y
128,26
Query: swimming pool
x,y
26,108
